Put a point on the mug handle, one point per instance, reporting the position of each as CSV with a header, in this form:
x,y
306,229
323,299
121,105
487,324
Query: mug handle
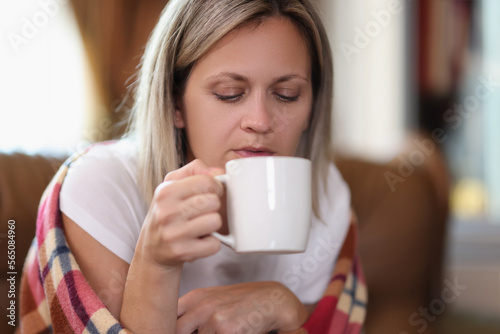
x,y
226,239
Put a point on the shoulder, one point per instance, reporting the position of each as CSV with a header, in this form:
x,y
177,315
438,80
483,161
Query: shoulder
x,y
106,158
100,193
105,167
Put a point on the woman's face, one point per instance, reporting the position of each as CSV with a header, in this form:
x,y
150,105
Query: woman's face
x,y
251,95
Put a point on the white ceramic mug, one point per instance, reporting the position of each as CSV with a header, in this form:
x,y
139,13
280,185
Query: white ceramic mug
x,y
268,204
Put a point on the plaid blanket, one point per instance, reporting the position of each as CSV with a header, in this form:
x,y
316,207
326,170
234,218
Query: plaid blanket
x,y
56,298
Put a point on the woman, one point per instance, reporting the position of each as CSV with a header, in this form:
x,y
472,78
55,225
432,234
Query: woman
x,y
220,80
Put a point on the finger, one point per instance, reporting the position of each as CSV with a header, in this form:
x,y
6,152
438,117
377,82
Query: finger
x,y
187,326
191,299
191,314
195,248
198,184
199,204
202,247
217,318
207,329
182,189
204,225
195,167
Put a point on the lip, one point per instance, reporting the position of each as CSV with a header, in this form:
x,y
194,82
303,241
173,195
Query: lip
x,y
251,151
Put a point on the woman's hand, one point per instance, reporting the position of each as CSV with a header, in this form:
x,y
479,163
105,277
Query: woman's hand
x,y
249,308
183,213
182,216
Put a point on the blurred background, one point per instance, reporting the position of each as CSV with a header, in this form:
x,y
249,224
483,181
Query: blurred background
x,y
404,70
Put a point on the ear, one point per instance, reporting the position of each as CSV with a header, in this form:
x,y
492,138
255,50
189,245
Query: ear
x,y
179,121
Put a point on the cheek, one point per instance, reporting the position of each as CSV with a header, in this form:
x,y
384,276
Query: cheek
x,y
298,125
289,131
293,121
207,130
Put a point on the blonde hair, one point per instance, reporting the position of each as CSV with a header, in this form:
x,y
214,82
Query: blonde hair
x,y
186,31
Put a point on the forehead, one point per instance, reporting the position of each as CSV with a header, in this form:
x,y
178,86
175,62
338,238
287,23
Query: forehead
x,y
273,42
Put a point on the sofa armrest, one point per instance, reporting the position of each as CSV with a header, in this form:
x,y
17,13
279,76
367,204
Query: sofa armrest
x,y
23,178
402,236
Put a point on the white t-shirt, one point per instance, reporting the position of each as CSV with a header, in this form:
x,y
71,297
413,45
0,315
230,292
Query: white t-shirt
x,y
101,195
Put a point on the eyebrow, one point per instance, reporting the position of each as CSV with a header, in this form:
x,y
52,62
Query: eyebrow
x,y
239,77
230,75
289,77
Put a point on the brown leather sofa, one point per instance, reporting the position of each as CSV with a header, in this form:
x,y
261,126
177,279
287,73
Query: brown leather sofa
x,y
402,240
22,181
401,230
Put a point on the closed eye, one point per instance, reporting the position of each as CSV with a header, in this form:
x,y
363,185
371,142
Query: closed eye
x,y
287,99
229,98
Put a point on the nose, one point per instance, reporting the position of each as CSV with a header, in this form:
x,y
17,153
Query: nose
x,y
258,116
